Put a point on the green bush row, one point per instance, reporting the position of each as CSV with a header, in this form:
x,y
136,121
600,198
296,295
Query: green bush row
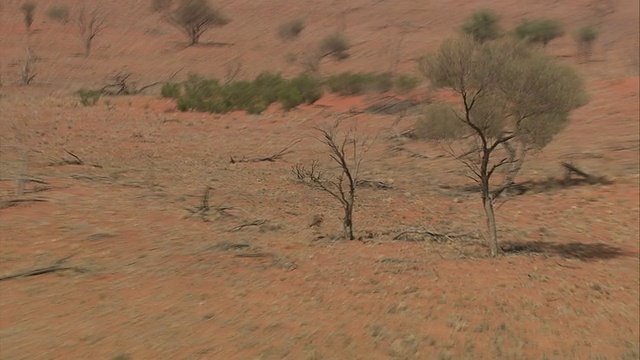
x,y
209,95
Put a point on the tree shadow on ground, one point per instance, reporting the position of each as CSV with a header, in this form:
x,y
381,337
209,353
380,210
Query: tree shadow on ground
x,y
575,250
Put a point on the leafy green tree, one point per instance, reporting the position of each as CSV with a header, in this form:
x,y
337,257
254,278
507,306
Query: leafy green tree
x,y
511,99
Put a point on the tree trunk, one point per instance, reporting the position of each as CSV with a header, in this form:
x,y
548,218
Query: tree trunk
x,y
491,224
347,222
87,47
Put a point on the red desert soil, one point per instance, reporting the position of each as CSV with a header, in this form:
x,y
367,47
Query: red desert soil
x,y
149,282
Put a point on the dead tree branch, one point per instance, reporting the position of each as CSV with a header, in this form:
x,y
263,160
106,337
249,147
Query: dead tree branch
x,y
252,223
272,158
57,266
438,237
203,209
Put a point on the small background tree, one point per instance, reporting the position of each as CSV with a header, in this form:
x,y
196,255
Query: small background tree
x,y
193,17
347,151
89,24
59,13
585,37
483,25
541,31
511,99
28,11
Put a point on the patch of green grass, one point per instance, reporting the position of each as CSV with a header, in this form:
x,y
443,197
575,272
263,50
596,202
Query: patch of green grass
x,y
89,97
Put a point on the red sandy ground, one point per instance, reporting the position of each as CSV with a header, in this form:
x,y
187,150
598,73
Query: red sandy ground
x,y
157,284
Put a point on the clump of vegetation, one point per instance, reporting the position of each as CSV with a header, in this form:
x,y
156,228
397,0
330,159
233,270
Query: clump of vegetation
x,y
255,96
291,29
59,13
541,31
89,97
585,37
483,25
193,17
404,83
348,83
336,45
170,90
28,11
511,99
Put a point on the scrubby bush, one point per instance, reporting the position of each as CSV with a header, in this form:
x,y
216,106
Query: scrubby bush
x,y
28,11
291,29
358,83
404,83
89,97
302,89
540,31
170,90
483,25
336,45
59,13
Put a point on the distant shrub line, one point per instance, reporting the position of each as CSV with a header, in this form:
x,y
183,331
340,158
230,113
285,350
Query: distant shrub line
x,y
198,93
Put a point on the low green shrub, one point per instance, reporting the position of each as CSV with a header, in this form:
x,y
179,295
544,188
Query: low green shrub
x,y
404,83
348,83
89,97
255,96
336,45
291,29
170,90
539,31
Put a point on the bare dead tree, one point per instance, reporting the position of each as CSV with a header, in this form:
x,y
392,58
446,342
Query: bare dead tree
x,y
347,151
89,24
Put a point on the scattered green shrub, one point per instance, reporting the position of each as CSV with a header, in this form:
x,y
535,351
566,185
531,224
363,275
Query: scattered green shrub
x,y
291,29
170,90
585,37
483,25
59,13
404,83
302,89
539,31
89,97
336,45
255,96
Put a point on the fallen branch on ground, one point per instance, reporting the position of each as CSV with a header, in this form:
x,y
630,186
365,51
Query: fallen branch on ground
x,y
572,169
13,202
438,237
253,223
75,161
272,158
203,209
57,266
376,184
